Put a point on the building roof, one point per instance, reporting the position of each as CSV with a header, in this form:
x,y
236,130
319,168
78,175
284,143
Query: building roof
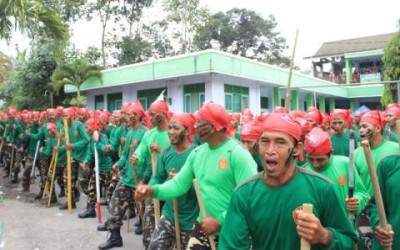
x,y
212,61
337,48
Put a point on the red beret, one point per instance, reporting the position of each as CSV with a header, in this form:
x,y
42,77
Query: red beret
x,y
374,117
251,131
215,114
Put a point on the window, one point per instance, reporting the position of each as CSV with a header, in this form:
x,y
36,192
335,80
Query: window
x,y
193,97
99,102
236,98
114,101
148,96
264,102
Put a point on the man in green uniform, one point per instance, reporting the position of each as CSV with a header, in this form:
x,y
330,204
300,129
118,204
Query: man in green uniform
x,y
265,210
104,163
219,165
249,135
318,147
388,173
341,135
371,129
21,143
123,194
154,142
77,145
180,131
392,115
31,151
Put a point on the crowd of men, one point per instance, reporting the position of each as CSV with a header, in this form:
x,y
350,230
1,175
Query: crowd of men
x,y
252,174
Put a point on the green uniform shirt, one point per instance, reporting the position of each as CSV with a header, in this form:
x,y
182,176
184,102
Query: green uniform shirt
x,y
187,203
133,140
389,134
62,153
105,162
377,153
79,138
388,173
107,131
338,172
218,171
266,214
153,135
34,129
341,143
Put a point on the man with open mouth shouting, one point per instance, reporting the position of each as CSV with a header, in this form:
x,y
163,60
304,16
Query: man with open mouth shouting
x,y
266,210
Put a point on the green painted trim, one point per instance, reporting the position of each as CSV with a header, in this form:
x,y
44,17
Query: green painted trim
x,y
277,98
309,100
321,103
367,53
363,91
294,102
352,105
332,104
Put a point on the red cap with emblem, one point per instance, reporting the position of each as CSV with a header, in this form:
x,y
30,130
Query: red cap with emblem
x,y
318,142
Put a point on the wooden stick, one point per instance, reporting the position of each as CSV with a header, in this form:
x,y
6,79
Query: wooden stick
x,y
307,209
375,186
12,161
177,229
157,213
202,210
287,99
54,169
69,173
48,175
97,174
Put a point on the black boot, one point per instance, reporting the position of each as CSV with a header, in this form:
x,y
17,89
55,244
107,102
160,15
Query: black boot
x,y
90,212
62,192
65,206
77,194
103,227
53,198
139,228
15,178
115,240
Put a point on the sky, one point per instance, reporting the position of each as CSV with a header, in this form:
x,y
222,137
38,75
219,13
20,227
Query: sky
x,y
318,21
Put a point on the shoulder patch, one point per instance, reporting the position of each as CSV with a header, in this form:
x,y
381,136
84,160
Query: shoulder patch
x,y
309,172
250,179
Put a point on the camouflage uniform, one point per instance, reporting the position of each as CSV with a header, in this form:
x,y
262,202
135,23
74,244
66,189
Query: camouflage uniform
x,y
105,177
119,203
199,241
148,222
163,237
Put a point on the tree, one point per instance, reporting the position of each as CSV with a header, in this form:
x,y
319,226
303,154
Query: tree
x,y
132,50
184,17
243,32
5,66
132,11
391,65
27,15
74,73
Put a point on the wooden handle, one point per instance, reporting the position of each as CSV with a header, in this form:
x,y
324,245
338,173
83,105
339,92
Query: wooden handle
x,y
69,170
177,229
202,210
307,209
153,162
157,213
375,186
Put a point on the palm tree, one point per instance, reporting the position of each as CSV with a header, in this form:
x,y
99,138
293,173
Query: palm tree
x,y
26,14
75,74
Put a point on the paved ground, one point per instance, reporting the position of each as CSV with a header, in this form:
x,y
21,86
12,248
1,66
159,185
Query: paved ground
x,y
29,225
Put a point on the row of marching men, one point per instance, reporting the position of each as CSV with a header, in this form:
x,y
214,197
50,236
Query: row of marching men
x,y
328,142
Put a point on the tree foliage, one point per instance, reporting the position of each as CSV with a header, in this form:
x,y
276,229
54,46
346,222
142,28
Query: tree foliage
x,y
5,67
29,77
74,73
245,33
391,65
28,15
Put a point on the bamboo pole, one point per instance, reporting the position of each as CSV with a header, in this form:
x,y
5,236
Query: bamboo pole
x,y
69,172
54,171
375,185
287,99
48,175
157,213
202,210
307,209
177,229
